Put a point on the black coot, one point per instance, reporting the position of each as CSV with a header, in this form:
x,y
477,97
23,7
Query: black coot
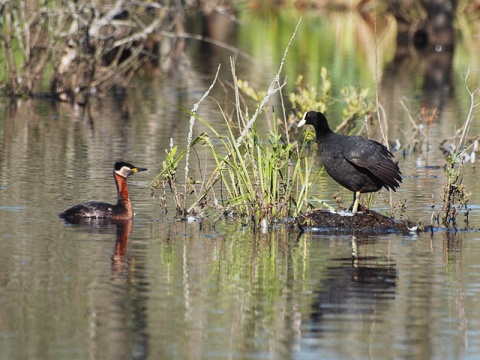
x,y
359,164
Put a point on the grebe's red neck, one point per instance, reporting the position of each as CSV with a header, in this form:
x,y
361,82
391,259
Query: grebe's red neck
x,y
122,194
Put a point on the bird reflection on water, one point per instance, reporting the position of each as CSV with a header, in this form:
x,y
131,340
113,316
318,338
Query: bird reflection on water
x,y
120,263
122,306
360,285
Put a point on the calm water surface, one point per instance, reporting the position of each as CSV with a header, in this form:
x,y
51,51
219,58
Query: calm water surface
x,y
156,288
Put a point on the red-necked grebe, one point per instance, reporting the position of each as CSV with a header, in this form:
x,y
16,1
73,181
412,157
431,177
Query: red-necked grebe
x,y
100,210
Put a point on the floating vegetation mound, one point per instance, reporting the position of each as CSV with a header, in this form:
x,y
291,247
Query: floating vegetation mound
x,y
320,220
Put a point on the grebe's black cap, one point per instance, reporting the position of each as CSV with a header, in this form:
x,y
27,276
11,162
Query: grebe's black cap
x,y
120,164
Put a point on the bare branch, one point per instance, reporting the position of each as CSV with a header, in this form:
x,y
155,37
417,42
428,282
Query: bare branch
x,y
190,132
273,88
95,28
139,35
470,115
207,40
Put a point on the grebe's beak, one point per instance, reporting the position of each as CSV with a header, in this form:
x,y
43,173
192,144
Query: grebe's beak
x,y
136,169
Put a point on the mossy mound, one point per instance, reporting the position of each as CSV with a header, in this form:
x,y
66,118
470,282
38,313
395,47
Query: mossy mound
x,y
366,221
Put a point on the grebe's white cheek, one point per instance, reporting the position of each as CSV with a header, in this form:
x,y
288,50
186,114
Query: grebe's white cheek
x,y
124,171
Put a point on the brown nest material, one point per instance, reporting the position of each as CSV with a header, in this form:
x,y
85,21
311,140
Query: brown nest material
x,y
367,221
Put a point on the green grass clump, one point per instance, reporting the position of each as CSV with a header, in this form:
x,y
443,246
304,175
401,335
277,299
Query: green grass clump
x,y
259,175
257,178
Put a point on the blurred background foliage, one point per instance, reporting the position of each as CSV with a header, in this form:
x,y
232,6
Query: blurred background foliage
x,y
60,49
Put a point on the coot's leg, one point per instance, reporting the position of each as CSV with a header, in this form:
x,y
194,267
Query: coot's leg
x,y
356,197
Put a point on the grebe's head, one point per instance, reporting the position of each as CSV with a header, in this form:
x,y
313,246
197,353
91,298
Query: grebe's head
x,y
125,169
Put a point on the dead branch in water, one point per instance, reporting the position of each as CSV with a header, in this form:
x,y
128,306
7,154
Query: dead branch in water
x,y
81,46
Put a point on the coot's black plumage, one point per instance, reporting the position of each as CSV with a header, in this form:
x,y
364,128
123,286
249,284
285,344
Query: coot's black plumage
x,y
359,164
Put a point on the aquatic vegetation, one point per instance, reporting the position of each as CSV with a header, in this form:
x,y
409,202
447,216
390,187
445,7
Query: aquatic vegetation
x,y
261,177
256,177
169,175
455,195
310,97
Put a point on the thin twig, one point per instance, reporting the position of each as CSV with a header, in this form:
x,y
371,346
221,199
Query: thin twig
x,y
207,40
139,35
190,132
377,81
285,122
470,115
381,115
271,90
237,94
416,128
97,24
